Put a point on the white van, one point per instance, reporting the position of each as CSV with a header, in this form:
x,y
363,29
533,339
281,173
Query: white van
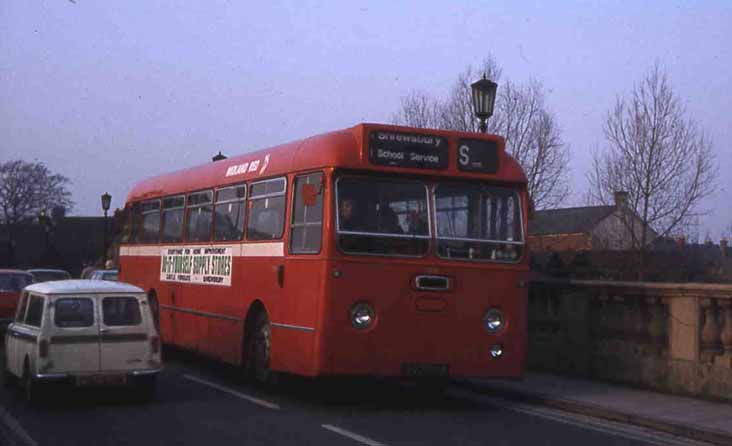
x,y
82,332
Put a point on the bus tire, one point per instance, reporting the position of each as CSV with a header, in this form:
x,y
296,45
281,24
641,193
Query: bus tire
x,y
152,299
260,350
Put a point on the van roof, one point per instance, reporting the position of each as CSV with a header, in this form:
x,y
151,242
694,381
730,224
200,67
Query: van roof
x,y
81,286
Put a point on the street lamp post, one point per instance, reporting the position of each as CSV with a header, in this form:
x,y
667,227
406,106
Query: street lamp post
x,y
484,98
45,223
106,201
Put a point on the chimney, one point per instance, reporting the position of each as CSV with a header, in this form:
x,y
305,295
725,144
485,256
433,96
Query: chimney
x,y
723,247
621,199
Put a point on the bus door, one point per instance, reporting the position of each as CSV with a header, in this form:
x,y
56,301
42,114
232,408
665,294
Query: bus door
x,y
302,278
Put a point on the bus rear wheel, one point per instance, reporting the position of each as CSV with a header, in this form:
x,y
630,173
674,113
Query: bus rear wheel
x,y
259,349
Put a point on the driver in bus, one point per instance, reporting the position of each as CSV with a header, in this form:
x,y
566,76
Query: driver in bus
x,y
349,220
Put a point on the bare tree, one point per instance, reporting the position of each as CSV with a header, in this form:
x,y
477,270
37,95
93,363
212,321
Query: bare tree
x,y
26,189
658,156
534,138
456,113
531,131
418,109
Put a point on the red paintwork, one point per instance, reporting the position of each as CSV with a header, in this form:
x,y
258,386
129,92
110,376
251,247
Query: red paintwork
x,y
9,300
8,304
411,326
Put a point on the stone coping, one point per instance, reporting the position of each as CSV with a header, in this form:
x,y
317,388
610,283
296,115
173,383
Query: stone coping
x,y
715,290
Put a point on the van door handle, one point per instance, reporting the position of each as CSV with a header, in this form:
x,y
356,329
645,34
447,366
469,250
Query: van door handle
x,y
281,275
103,330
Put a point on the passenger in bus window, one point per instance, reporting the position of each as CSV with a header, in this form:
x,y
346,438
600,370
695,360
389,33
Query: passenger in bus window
x,y
388,221
349,218
417,222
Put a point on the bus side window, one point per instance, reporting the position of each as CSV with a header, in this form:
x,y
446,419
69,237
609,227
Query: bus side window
x,y
267,209
199,215
172,221
148,228
132,216
229,212
306,228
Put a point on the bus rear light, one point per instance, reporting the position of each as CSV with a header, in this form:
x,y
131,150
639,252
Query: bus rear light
x,y
155,344
43,349
362,315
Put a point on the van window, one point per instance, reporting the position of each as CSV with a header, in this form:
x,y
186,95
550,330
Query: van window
x,y
73,312
118,311
22,306
35,312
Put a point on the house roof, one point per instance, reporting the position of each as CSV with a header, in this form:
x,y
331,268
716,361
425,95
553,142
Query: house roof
x,y
568,220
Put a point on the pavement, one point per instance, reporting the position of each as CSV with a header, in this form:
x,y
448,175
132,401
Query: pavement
x,y
691,418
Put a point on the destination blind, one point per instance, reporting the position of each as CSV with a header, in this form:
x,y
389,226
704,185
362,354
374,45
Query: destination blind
x,y
408,150
477,155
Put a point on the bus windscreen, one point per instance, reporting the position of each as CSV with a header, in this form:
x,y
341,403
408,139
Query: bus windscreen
x,y
383,217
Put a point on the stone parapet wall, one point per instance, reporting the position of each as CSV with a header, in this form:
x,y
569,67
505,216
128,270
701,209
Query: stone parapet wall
x,y
666,336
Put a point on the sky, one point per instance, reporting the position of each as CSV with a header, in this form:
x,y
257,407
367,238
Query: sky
x,y
109,93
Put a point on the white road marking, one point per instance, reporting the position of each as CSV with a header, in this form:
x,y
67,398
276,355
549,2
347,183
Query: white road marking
x,y
16,428
628,431
351,435
243,396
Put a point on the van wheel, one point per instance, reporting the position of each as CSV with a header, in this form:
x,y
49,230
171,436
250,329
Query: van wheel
x,y
32,388
260,350
146,387
8,378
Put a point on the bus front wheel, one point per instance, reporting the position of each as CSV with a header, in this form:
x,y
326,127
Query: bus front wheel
x,y
260,347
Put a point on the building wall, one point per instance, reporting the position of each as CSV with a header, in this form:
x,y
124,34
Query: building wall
x,y
559,242
68,244
619,231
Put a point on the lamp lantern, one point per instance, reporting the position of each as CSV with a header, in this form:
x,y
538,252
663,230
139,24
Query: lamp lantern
x,y
484,98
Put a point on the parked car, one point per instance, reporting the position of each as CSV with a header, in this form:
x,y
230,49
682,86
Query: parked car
x,y
83,333
12,281
48,274
105,274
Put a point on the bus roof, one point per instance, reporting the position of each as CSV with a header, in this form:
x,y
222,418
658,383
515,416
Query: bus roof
x,y
347,148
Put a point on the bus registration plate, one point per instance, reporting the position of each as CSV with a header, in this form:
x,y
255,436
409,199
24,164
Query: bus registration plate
x,y
425,369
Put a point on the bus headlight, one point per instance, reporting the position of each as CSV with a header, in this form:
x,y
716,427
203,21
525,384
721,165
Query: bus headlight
x,y
493,321
362,315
